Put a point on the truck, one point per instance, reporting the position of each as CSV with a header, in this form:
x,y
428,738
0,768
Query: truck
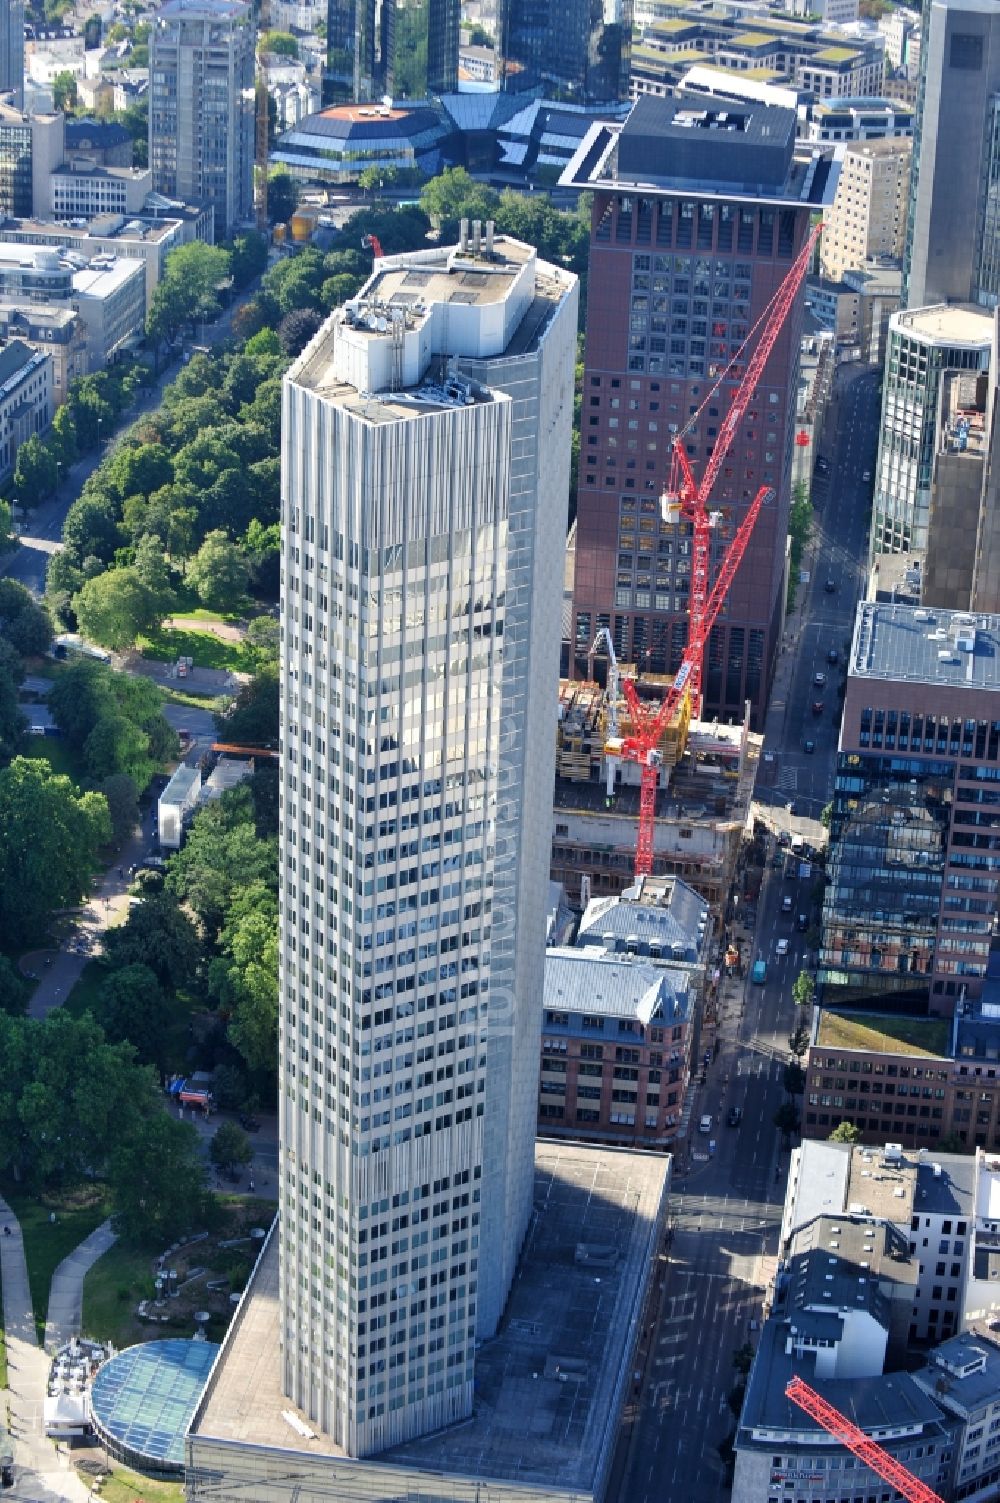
x,y
759,973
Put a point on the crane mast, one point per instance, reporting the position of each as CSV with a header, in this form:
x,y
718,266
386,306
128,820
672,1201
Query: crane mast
x,y
860,1444
685,497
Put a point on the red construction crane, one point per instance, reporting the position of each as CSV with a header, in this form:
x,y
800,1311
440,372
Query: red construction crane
x,y
686,498
867,1450
372,243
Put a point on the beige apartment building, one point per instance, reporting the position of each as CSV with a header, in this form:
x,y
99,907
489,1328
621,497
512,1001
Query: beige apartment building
x,y
868,216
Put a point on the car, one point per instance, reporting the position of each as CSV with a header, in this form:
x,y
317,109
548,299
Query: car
x,y
758,974
781,948
866,475
734,1116
784,837
793,807
819,679
705,1125
818,707
802,923
808,747
786,905
769,756
833,657
822,465
831,587
248,1123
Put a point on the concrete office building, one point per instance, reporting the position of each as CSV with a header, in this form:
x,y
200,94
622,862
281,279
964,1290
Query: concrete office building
x,y
579,52
201,107
913,871
108,293
426,451
923,344
31,149
953,237
868,215
12,51
699,211
857,120
79,191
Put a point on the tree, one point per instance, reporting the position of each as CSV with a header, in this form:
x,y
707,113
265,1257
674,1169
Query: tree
x,y
123,805
49,838
262,643
14,990
23,622
253,717
138,469
35,472
8,537
12,722
249,258
230,1147
62,438
188,291
218,573
157,1179
454,195
222,859
114,609
280,43
117,746
64,91
159,935
798,1042
845,1132
91,529
135,1009
249,986
151,567
282,196
803,990
298,327
794,1079
826,815
786,1119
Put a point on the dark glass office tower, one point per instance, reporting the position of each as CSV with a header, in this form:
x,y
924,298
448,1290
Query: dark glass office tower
x,y
425,53
407,48
579,50
350,51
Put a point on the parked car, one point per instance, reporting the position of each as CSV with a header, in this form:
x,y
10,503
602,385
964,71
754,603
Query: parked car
x,y
734,1116
248,1123
833,657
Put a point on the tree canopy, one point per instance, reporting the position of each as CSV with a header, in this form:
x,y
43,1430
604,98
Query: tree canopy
x,y
50,834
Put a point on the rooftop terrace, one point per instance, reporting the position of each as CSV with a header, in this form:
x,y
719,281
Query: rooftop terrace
x,y
886,1034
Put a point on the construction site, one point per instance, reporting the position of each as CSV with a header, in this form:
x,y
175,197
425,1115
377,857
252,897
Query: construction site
x,y
705,786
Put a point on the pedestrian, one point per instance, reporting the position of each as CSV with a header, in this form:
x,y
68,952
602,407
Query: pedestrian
x,y
251,1186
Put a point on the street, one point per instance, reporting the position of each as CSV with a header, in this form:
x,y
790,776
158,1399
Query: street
x,y
726,1211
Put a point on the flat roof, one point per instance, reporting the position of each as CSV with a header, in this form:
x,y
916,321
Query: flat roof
x,y
898,643
882,1033
138,227
973,1367
102,281
947,323
545,1408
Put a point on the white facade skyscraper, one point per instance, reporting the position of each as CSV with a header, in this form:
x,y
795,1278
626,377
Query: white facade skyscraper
x,y
425,441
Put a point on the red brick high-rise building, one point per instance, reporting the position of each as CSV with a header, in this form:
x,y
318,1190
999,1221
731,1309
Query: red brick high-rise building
x,y
700,208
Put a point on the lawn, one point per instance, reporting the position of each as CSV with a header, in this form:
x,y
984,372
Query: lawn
x,y
55,751
206,650
123,1486
85,994
46,1243
883,1033
191,698
119,1279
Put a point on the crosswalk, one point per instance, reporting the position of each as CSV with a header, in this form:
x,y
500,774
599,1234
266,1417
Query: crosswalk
x,y
788,779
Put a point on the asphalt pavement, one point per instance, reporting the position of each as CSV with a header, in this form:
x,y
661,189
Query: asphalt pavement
x,y
725,1214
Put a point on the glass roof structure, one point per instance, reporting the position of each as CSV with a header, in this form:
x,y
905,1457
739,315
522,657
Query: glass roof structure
x,y
143,1398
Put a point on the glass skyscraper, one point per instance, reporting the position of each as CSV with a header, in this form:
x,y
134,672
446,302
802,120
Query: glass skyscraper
x,y
579,51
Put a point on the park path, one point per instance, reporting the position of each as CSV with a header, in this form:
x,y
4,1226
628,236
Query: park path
x,y
65,1313
42,1472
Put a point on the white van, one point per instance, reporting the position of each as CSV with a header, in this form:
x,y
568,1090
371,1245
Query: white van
x,y
705,1125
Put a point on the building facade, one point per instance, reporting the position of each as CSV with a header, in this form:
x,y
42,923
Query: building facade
x,y
696,221
12,51
31,149
913,870
425,470
84,192
25,399
868,215
201,107
956,159
580,52
858,120
385,47
923,344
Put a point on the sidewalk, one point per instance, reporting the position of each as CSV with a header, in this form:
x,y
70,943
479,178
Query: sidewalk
x,y
41,1472
65,1313
59,970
